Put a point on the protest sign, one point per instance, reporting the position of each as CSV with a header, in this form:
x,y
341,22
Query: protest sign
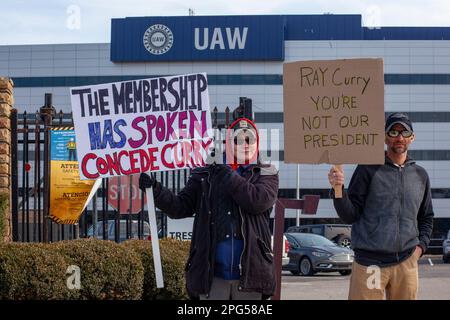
x,y
142,125
334,111
145,125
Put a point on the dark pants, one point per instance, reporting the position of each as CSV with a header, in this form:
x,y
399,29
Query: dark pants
x,y
229,290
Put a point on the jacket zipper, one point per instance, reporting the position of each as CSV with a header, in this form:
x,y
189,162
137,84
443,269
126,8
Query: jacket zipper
x,y
209,210
401,209
243,235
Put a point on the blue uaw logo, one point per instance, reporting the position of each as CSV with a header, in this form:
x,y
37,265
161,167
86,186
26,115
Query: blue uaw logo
x,y
158,39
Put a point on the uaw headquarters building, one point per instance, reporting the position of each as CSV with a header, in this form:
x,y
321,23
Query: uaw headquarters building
x,y
244,56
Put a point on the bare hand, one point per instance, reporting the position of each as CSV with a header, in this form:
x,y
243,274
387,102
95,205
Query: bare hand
x,y
335,177
418,252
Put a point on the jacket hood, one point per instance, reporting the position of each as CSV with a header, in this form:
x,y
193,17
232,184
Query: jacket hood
x,y
409,161
241,123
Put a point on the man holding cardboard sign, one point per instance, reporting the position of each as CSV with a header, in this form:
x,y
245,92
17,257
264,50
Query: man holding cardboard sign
x,y
334,113
390,209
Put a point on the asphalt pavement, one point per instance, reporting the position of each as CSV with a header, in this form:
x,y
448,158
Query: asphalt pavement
x,y
434,283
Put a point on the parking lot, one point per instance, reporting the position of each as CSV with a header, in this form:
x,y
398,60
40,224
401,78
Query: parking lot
x,y
434,283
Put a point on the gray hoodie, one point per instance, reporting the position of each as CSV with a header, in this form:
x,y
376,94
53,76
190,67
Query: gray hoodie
x,y
389,206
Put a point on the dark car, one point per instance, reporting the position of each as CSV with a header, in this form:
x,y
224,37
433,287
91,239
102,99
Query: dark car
x,y
437,242
311,253
338,233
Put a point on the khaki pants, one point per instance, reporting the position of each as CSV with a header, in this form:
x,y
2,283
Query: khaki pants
x,y
398,282
229,290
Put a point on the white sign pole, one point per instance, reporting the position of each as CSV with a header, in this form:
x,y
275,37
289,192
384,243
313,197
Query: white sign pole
x,y
154,237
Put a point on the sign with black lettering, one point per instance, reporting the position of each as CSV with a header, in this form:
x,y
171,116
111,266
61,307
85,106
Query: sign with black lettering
x,y
180,229
144,125
334,111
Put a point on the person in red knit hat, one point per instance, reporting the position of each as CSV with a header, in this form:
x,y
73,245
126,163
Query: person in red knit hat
x,y
231,254
242,143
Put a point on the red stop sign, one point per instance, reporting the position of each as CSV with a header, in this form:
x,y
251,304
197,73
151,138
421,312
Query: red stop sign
x,y
130,194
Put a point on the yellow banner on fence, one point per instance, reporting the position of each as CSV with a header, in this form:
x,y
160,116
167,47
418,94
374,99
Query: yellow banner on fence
x,y
68,194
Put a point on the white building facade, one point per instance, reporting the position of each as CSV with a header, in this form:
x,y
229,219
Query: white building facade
x,y
244,56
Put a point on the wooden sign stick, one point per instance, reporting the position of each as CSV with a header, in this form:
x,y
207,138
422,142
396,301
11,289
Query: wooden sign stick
x,y
338,187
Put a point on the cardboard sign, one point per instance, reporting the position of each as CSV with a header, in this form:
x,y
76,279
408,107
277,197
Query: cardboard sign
x,y
142,125
334,111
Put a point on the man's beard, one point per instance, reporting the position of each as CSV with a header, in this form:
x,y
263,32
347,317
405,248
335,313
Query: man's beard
x,y
399,149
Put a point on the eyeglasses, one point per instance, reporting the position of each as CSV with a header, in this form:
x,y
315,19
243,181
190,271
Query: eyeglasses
x,y
396,133
247,139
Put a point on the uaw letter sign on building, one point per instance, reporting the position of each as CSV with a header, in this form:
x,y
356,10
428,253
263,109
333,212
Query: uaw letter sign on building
x,y
197,38
135,126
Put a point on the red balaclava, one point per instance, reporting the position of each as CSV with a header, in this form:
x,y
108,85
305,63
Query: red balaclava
x,y
241,123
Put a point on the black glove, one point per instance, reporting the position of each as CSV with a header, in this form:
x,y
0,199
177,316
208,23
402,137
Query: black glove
x,y
146,181
222,173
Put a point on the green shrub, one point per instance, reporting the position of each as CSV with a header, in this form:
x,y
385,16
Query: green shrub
x,y
108,270
174,254
32,271
38,271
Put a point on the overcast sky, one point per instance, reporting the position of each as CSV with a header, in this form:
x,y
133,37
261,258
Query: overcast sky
x,y
89,21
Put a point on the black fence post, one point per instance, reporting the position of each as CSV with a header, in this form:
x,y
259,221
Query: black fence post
x,y
26,187
37,176
246,105
117,216
106,214
105,223
36,179
24,182
47,112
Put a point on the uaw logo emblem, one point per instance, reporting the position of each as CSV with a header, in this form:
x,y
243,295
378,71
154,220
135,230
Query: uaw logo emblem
x,y
158,39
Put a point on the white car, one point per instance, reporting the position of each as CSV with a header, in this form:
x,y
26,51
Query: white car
x,y
284,256
446,249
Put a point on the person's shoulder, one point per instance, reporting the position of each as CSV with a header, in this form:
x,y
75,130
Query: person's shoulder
x,y
366,171
201,170
420,170
267,169
368,167
199,174
419,167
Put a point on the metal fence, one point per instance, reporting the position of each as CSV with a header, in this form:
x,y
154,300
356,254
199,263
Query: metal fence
x,y
30,173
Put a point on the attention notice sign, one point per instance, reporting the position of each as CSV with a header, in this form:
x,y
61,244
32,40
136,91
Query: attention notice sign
x,y
334,111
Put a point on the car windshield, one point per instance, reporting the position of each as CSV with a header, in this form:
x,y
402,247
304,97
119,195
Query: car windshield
x,y
312,240
90,231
